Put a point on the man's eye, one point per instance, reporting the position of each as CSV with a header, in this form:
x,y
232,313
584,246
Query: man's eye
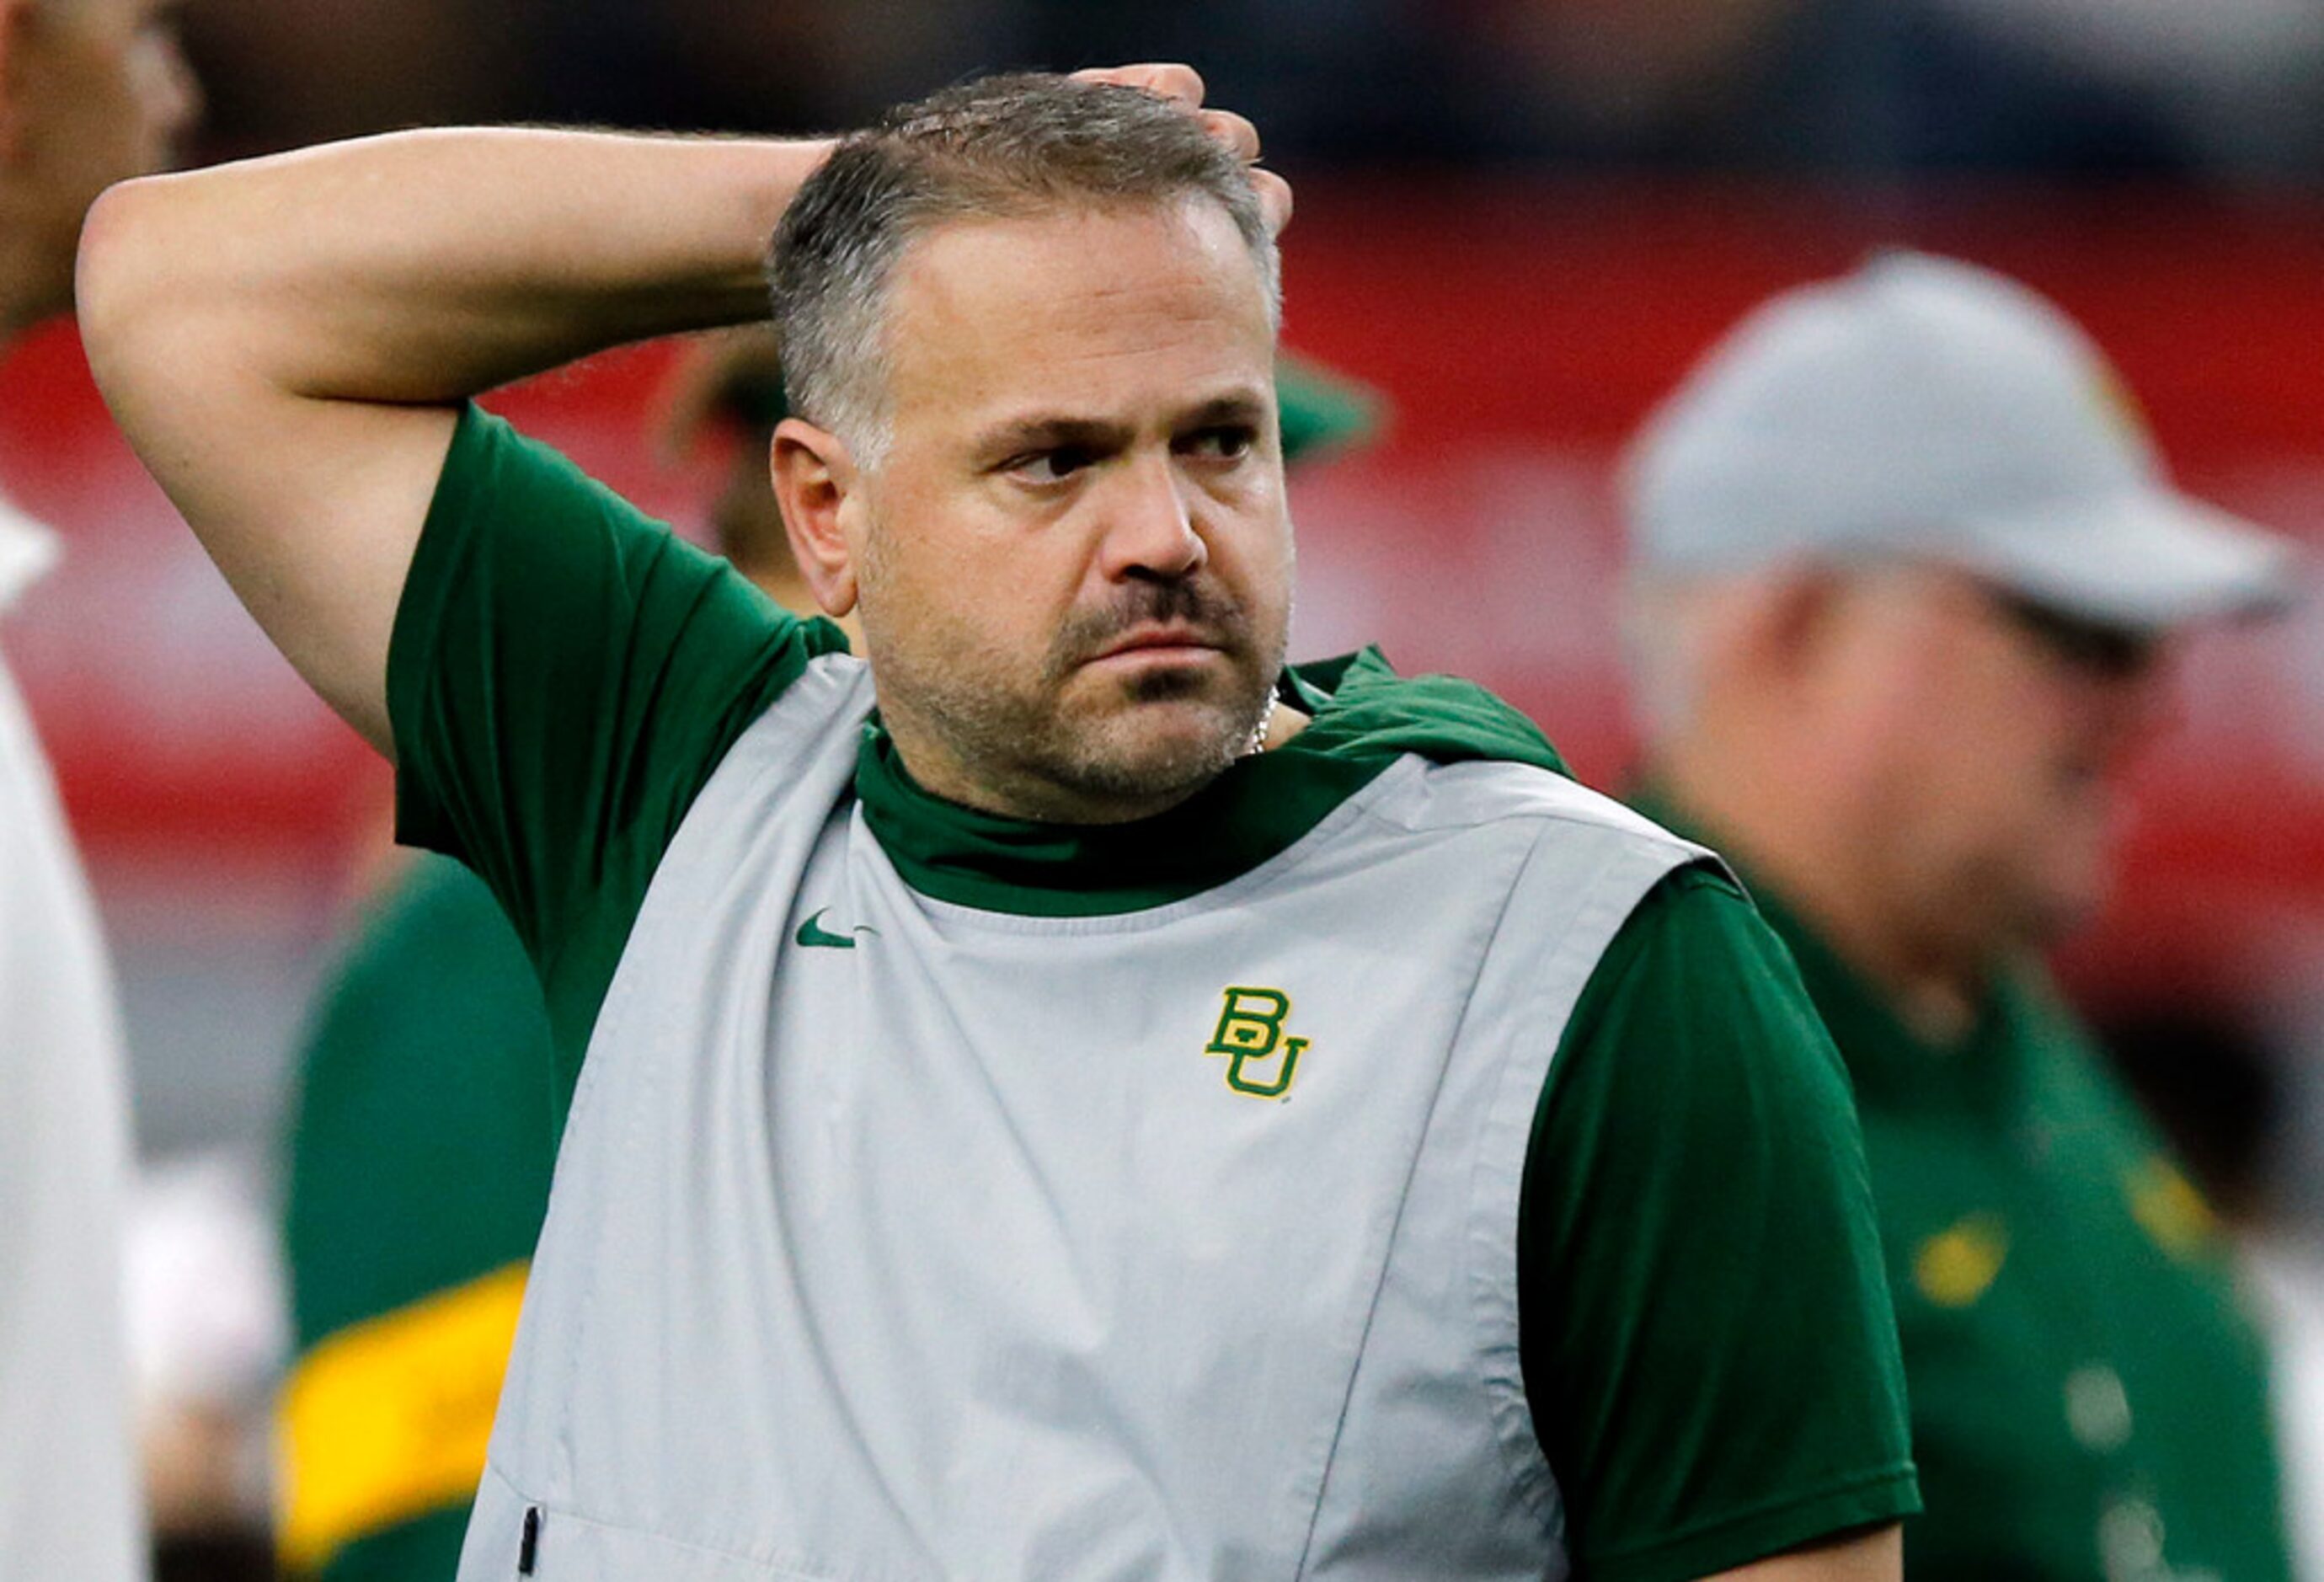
x,y
1051,467
1226,442
2090,646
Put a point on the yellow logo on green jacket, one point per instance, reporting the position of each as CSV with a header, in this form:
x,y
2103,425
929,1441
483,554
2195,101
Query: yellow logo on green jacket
x,y
1957,1266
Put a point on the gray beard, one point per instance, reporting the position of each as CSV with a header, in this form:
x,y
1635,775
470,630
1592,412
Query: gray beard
x,y
1037,762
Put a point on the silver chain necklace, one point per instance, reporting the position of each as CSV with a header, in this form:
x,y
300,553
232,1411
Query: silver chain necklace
x,y
1257,742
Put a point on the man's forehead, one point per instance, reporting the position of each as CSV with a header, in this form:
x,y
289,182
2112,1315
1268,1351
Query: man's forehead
x,y
1000,319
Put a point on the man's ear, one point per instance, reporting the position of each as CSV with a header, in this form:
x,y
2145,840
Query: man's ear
x,y
816,486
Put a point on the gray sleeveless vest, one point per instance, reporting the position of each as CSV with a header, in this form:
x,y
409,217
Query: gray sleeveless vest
x,y
895,1240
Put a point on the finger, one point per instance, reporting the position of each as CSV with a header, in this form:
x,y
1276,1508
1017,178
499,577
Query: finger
x,y
1274,198
1163,79
1235,130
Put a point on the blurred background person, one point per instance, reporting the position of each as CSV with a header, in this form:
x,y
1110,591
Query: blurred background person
x,y
420,1145
1906,576
2213,1068
90,91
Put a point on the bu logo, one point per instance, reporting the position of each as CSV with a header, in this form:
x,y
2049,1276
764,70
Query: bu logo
x,y
1261,1059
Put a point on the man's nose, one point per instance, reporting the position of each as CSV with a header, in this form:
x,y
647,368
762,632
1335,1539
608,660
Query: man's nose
x,y
1152,526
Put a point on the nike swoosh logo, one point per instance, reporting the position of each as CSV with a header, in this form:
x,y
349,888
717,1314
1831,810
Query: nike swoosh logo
x,y
812,932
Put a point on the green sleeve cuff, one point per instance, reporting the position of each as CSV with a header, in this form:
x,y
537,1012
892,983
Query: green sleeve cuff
x,y
1872,1501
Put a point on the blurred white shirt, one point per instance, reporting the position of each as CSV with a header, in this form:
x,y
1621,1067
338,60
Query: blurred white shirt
x,y
209,1330
69,1501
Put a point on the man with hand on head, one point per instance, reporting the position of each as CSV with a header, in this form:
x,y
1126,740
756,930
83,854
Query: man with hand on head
x,y
1070,1096
421,1139
1907,575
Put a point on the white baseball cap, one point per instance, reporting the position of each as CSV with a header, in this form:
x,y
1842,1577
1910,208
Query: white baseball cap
x,y
1930,408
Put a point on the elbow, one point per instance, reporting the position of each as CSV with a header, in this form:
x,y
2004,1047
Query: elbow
x,y
118,272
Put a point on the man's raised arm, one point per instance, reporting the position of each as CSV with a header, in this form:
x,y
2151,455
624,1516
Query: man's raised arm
x,y
285,340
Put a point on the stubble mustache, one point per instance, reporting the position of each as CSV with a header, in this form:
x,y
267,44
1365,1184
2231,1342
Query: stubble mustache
x,y
1212,616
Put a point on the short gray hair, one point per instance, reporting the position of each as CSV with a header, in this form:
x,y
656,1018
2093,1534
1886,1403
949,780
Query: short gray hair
x,y
1002,147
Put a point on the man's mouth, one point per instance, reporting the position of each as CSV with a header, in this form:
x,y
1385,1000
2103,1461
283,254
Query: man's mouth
x,y
1162,641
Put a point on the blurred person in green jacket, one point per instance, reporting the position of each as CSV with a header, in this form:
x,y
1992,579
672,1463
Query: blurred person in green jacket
x,y
421,1142
1906,579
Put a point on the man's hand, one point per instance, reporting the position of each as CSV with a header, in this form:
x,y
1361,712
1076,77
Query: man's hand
x,y
1184,85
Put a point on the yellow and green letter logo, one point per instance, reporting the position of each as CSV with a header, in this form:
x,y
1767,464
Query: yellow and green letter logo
x,y
1260,1058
